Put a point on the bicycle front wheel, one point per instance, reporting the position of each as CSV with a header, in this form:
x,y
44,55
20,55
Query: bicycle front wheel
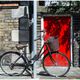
x,y
56,65
12,63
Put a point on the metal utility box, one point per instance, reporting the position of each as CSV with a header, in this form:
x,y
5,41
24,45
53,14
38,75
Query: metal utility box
x,y
23,23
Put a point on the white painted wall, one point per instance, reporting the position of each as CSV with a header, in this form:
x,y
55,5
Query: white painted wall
x,y
15,35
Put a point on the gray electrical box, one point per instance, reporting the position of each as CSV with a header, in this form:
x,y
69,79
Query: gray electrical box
x,y
23,36
23,23
24,28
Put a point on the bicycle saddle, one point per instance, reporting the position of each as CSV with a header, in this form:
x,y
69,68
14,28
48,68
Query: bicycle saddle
x,y
21,46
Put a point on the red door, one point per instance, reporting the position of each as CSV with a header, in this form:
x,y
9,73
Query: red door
x,y
59,26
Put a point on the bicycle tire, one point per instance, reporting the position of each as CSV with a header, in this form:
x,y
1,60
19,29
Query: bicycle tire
x,y
56,68
7,59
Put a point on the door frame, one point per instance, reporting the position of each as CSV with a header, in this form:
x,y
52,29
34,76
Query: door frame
x,y
71,33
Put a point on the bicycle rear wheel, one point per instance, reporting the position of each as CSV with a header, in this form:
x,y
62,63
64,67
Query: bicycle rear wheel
x,y
56,65
12,63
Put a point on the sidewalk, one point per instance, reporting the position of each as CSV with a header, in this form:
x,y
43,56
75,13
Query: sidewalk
x,y
74,73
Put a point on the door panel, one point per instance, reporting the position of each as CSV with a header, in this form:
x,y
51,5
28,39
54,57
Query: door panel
x,y
59,26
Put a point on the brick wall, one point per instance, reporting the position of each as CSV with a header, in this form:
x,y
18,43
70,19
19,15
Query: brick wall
x,y
7,24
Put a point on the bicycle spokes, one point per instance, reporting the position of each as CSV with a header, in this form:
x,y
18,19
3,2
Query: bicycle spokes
x,y
12,64
56,65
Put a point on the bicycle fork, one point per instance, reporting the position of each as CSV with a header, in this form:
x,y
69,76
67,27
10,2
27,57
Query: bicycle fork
x,y
52,59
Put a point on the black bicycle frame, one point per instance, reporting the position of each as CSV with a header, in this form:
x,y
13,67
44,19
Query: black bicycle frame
x,y
37,56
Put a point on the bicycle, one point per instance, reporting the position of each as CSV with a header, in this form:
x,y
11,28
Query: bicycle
x,y
17,65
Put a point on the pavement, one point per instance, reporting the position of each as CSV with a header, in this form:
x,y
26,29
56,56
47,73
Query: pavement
x,y
74,73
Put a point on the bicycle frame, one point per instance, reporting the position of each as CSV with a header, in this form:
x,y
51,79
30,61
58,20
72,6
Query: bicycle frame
x,y
36,57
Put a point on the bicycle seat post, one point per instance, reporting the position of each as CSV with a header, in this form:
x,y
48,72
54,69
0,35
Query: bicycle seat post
x,y
21,50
